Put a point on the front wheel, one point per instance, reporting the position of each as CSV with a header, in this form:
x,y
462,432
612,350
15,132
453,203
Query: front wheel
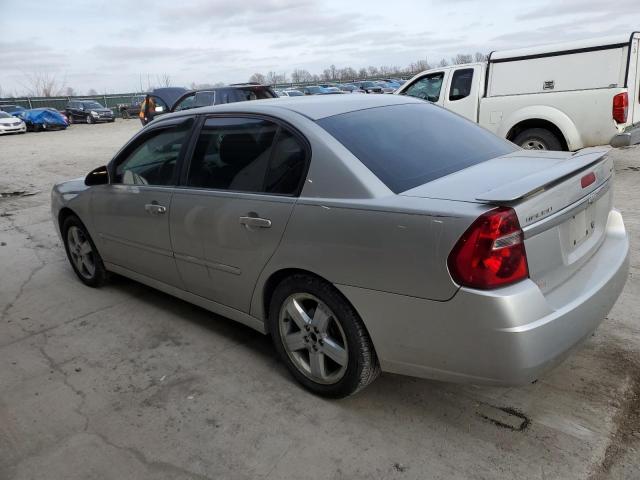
x,y
537,139
89,119
320,338
82,253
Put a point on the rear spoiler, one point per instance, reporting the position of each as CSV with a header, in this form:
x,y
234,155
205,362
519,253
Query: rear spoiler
x,y
541,181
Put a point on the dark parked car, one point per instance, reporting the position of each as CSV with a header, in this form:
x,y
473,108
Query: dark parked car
x,y
12,109
132,108
369,87
88,111
165,100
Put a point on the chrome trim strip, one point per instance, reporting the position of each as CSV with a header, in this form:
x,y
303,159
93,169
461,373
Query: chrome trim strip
x,y
561,216
207,263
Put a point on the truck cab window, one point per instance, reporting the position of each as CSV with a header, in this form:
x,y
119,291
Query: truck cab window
x,y
427,87
461,84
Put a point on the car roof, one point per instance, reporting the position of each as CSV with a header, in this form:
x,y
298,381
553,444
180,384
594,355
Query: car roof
x,y
314,107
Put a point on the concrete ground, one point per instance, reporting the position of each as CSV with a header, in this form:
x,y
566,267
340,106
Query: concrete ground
x,y
125,382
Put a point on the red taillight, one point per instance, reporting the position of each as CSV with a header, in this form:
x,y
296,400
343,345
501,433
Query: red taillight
x,y
587,180
491,252
621,107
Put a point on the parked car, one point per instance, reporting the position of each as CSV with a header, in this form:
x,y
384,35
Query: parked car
x,y
131,108
88,111
38,119
220,95
369,86
386,87
349,88
313,90
355,232
290,93
158,102
11,124
332,90
555,97
12,109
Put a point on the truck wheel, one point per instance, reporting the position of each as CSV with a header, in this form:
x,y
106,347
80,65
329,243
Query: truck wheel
x,y
124,113
537,139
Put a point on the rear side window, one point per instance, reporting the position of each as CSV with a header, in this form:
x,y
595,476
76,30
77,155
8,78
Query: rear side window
x,y
461,82
247,155
412,144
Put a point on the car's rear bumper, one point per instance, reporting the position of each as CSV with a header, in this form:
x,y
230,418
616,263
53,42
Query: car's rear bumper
x,y
631,136
508,336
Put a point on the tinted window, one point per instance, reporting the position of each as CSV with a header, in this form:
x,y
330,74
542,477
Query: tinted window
x,y
204,99
232,154
461,84
153,160
427,87
408,145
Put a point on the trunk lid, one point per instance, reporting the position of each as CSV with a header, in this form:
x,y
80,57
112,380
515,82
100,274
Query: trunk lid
x,y
562,201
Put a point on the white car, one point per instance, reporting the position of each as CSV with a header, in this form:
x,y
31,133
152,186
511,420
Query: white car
x,y
290,93
11,124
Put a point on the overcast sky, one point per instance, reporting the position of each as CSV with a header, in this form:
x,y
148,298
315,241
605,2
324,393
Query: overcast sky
x,y
110,45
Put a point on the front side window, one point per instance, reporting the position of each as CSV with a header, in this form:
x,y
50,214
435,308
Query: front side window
x,y
427,87
186,103
153,160
461,82
247,155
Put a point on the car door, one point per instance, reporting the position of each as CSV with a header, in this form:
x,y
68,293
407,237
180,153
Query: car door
x,y
428,87
236,196
131,213
462,94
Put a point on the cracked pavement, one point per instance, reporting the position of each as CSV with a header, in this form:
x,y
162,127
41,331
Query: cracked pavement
x,y
127,382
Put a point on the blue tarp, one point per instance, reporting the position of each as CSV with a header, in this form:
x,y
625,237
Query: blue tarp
x,y
40,116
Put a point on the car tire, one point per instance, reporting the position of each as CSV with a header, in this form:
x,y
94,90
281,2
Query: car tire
x,y
89,119
538,139
70,119
82,253
328,350
124,113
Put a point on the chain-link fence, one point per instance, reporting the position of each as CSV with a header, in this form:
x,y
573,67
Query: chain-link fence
x,y
59,103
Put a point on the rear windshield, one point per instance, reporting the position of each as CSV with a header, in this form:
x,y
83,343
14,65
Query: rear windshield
x,y
412,144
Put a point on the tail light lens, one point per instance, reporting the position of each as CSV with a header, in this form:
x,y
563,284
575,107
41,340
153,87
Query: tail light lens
x,y
621,107
491,252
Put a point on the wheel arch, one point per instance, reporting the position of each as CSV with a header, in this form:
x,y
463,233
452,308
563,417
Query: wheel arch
x,y
264,292
549,118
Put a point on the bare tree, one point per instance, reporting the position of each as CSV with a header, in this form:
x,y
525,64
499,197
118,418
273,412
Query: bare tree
x,y
443,63
480,57
163,80
372,71
419,66
362,73
462,58
42,84
300,76
333,71
69,92
92,92
257,78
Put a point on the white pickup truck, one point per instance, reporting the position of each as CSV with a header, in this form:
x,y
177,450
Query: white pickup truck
x,y
555,97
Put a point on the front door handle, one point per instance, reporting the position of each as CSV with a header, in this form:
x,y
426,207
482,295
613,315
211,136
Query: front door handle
x,y
155,209
256,222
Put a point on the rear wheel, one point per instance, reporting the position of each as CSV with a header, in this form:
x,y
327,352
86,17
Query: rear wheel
x,y
320,337
124,113
538,139
82,253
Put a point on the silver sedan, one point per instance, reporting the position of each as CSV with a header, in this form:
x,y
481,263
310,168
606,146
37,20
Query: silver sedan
x,y
364,233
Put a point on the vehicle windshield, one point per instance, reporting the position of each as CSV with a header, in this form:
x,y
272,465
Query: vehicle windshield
x,y
4,115
412,144
91,105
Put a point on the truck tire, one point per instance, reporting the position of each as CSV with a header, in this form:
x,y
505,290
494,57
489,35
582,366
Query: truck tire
x,y
124,113
537,139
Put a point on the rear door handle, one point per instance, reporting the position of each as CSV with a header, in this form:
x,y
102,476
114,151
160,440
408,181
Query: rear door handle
x,y
155,209
256,222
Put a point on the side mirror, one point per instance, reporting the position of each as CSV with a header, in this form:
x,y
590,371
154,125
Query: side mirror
x,y
98,176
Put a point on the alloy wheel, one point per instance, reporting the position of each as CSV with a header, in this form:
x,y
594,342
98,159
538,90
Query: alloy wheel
x,y
81,252
533,144
313,338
